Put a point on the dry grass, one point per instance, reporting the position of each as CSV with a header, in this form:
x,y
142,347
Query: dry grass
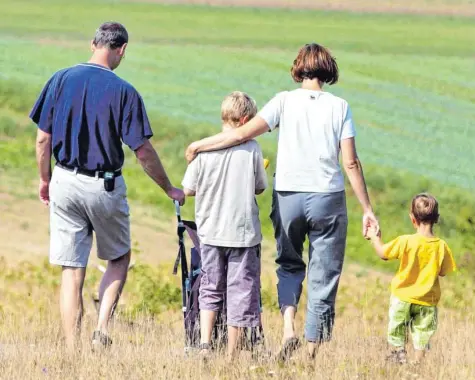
x,y
146,348
31,349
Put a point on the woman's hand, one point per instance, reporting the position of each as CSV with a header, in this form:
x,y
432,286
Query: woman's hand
x,y
370,222
191,152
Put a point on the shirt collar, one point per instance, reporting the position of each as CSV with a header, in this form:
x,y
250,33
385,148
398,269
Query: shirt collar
x,y
87,64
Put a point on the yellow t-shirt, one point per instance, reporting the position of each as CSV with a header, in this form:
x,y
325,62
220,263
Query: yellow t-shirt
x,y
422,261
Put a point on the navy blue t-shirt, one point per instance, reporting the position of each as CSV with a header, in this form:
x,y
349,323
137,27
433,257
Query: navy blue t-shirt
x,y
90,111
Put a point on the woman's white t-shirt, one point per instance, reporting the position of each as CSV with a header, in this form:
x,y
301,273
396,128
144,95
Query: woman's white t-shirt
x,y
311,125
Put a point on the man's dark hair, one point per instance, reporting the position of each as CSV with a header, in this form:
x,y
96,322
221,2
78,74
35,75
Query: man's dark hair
x,y
111,35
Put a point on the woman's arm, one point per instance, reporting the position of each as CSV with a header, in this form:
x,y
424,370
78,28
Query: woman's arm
x,y
256,127
354,171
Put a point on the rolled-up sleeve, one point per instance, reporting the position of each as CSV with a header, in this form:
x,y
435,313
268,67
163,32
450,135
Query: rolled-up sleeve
x,y
348,130
43,110
272,111
136,126
190,180
260,171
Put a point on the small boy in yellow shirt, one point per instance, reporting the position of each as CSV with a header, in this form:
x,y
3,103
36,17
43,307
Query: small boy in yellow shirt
x,y
415,289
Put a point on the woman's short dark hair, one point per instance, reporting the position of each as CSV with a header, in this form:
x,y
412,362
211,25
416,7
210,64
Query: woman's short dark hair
x,y
111,35
315,62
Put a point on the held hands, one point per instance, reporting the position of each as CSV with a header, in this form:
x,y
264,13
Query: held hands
x,y
373,232
43,192
177,195
370,225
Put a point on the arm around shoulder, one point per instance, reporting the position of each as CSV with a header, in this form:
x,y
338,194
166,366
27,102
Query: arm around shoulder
x,y
255,127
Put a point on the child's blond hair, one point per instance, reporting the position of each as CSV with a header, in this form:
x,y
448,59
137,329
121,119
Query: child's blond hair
x,y
236,106
425,208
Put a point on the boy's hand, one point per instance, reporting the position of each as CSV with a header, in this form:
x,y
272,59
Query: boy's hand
x,y
373,232
369,221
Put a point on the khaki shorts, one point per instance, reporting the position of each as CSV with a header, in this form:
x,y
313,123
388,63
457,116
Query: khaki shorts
x,y
79,205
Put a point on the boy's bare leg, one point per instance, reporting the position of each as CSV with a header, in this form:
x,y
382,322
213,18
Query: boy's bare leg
x,y
207,320
233,338
71,304
110,288
289,323
419,355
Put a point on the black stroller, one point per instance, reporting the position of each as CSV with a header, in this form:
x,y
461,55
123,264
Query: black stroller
x,y
252,339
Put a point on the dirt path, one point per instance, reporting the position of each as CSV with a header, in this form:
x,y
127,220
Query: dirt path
x,y
434,7
24,225
24,232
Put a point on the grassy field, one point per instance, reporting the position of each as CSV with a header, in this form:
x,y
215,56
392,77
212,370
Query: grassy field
x,y
409,81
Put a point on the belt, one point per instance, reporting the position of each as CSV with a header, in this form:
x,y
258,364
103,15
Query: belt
x,y
89,173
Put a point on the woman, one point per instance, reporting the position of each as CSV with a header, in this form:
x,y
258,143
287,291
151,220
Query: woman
x,y
309,197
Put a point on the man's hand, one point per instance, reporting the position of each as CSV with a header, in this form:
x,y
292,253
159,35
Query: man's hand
x,y
369,221
43,192
191,152
177,195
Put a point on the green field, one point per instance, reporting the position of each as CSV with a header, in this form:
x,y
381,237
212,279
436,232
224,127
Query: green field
x,y
407,78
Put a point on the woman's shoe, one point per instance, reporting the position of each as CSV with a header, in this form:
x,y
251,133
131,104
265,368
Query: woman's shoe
x,y
288,348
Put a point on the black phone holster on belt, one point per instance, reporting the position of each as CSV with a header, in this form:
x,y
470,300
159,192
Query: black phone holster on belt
x,y
109,181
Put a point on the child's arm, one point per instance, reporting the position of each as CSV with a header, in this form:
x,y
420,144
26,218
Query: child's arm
x,y
379,247
189,193
190,180
260,172
375,235
448,263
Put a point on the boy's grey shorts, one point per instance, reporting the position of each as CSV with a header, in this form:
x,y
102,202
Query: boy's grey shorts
x,y
234,274
79,205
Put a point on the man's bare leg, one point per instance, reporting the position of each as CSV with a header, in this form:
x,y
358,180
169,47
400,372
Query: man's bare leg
x,y
111,286
71,304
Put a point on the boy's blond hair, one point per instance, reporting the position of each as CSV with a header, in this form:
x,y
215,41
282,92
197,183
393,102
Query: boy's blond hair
x,y
237,105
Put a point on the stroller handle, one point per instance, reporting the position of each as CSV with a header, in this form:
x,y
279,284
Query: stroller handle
x,y
177,210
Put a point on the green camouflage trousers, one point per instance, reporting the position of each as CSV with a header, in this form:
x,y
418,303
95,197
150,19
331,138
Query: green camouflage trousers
x,y
420,320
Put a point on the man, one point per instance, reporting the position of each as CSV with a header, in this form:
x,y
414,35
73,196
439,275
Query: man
x,y
83,114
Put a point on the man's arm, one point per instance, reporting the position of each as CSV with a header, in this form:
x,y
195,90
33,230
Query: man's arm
x,y
148,158
43,160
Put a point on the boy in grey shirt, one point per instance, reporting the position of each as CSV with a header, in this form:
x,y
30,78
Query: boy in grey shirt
x,y
225,183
